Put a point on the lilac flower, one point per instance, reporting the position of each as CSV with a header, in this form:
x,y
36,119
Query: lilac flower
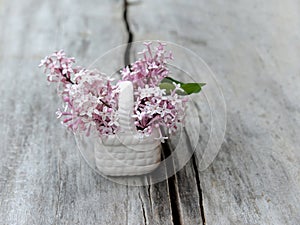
x,y
93,102
154,109
59,54
150,69
59,67
90,100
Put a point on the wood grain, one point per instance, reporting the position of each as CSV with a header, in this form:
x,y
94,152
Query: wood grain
x,y
43,178
252,46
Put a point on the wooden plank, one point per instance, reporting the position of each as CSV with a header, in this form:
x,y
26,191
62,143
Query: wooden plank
x,y
252,47
43,179
254,180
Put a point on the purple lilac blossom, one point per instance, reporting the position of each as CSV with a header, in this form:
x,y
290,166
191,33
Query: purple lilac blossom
x,y
89,97
150,69
153,108
91,100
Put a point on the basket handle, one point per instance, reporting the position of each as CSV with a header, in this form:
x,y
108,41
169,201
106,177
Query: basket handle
x,y
126,104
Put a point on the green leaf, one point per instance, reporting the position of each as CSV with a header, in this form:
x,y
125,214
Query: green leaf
x,y
189,88
169,87
170,80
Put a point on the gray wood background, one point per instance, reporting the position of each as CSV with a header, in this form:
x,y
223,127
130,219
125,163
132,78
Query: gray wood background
x,y
253,47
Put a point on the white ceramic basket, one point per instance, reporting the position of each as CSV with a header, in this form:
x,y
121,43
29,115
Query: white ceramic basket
x,y
126,153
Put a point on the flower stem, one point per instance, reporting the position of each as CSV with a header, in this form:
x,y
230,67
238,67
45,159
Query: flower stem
x,y
105,103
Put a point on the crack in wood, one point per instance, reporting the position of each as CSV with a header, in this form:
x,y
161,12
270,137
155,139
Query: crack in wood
x,y
197,176
143,209
130,34
199,188
174,198
150,198
173,189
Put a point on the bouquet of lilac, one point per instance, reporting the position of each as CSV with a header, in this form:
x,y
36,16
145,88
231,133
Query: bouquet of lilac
x,y
91,98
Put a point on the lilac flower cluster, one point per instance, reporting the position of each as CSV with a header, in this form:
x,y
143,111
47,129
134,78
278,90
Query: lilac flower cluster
x,y
149,70
153,108
60,67
89,97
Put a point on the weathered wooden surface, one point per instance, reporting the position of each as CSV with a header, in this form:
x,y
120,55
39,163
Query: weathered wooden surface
x,y
253,46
